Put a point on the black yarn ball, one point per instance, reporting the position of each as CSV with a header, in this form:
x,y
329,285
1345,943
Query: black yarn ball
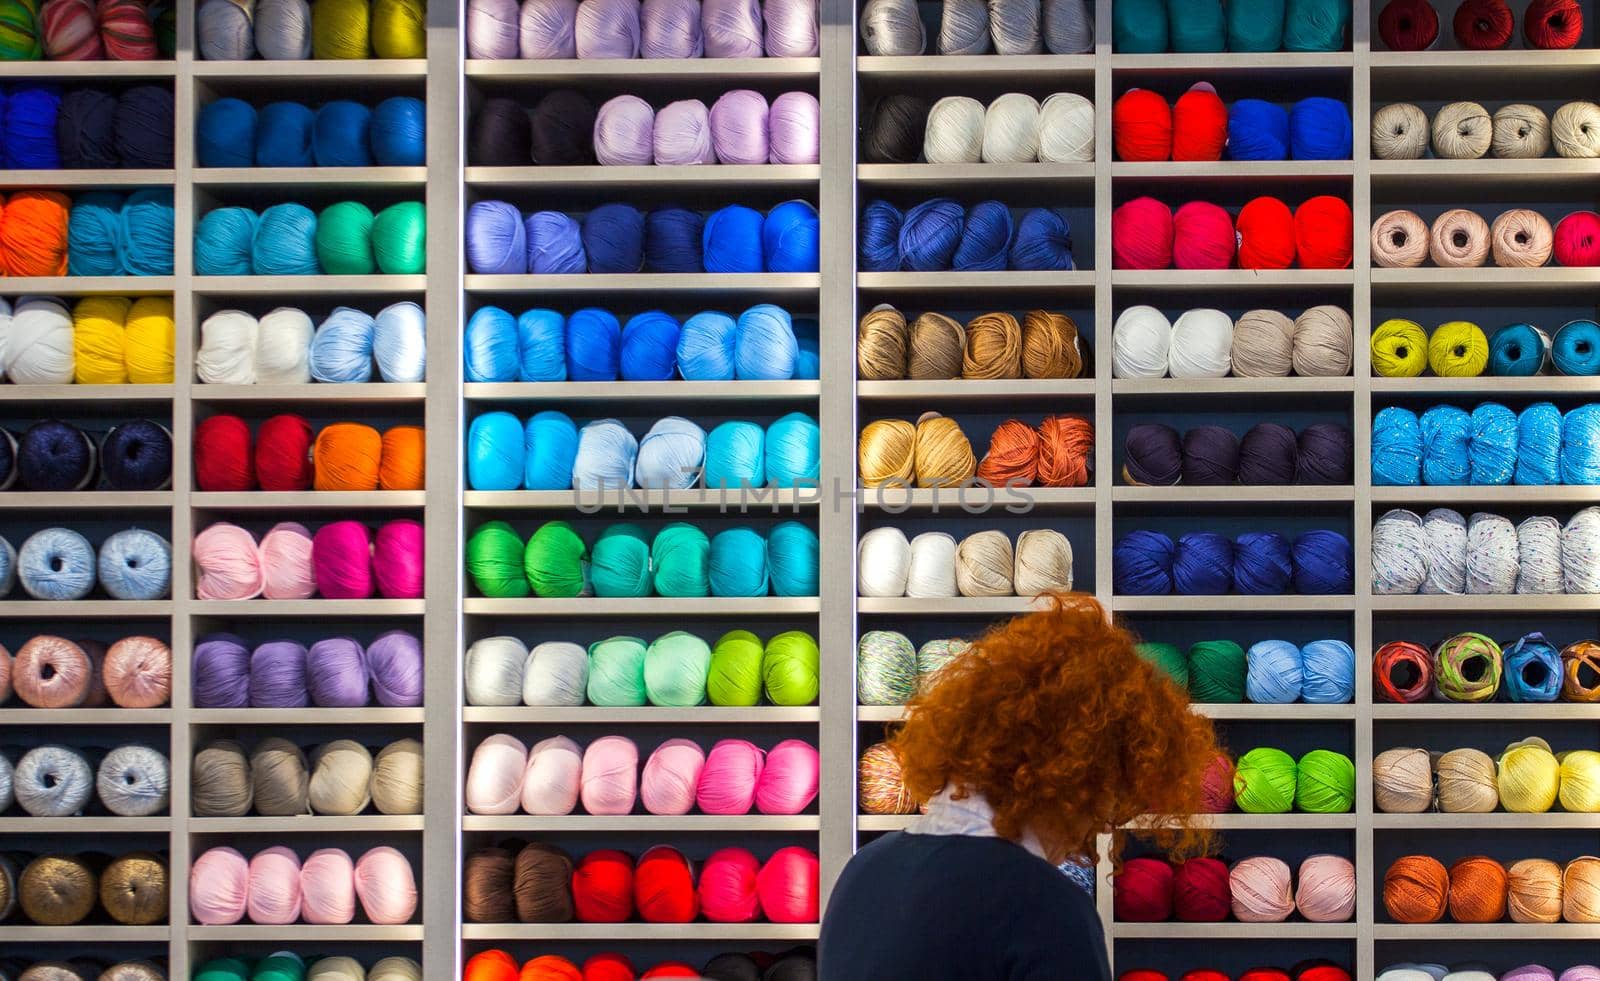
x,y
731,967
894,130
563,130
1267,455
1152,455
502,135
799,964
85,130
144,127
1210,456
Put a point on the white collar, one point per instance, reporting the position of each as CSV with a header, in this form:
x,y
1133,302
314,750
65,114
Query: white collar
x,y
971,815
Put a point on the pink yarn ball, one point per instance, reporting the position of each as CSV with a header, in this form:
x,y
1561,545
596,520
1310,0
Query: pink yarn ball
x,y
328,887
228,563
398,561
548,29
1261,890
727,886
341,553
739,127
1141,235
728,780
671,775
494,778
608,29
219,887
386,886
1327,889
1581,972
492,28
1202,236
287,572
274,886
70,31
1538,972
788,784
1578,239
554,774
5,675
794,125
1217,784
137,673
787,886
610,776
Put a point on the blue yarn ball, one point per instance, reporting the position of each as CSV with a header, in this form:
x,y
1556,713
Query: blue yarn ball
x,y
1329,672
1202,564
1043,242
135,564
8,568
1323,563
1396,448
56,564
93,226
550,443
791,238
650,347
613,239
495,452
594,343
706,347
765,349
1532,670
489,346
1446,438
794,451
671,455
341,135
1257,130
880,237
55,456
807,335
1274,673
1492,453
1539,437
30,128
222,242
606,455
793,564
736,455
399,132
496,240
225,134
284,135
542,339
1263,564
145,232
400,342
731,240
1141,564
1319,129
738,563
137,456
672,240
341,349
1580,445
986,238
285,242
1576,348
930,235
1518,351
555,245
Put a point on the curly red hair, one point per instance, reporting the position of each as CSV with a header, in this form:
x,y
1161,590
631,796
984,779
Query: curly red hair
x,y
1064,729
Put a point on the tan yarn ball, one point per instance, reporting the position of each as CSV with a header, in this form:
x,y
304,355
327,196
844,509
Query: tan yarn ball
x,y
1521,132
341,775
133,889
886,452
336,969
397,778
1050,346
1043,563
880,788
881,344
1263,345
1467,782
1462,131
938,345
985,564
133,971
395,969
944,456
1399,132
1534,891
1580,890
1521,238
57,890
1459,239
220,784
1399,240
1324,343
282,784
994,347
1575,130
1402,781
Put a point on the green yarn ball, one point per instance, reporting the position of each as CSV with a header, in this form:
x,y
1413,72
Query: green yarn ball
x,y
165,17
886,668
19,32
616,672
400,238
556,561
1217,671
738,563
681,555
934,655
735,674
223,969
790,668
280,967
1264,781
344,240
675,670
1168,658
1325,783
494,561
619,563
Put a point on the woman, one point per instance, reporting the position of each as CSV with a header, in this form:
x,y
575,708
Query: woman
x,y
1049,731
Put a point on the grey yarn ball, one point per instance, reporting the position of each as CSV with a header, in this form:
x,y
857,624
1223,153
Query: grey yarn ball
x,y
5,785
283,29
964,28
53,781
1068,26
893,28
134,781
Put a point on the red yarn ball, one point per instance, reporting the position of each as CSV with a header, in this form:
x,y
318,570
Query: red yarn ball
x,y
1265,974
126,31
1578,239
663,887
1266,234
1321,972
1217,785
69,31
550,967
491,965
1324,233
283,454
1408,25
1483,25
222,458
1141,235
1141,126
1205,974
608,967
1199,124
671,969
787,886
602,887
1200,891
1553,24
728,886
1202,237
1142,975
1143,891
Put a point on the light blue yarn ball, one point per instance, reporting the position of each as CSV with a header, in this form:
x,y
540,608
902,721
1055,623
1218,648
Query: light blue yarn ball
x,y
793,559
1580,445
808,362
736,455
53,781
400,342
706,347
6,796
8,570
1539,435
1492,453
136,564
1274,673
794,451
1328,672
606,455
738,563
671,455
285,242
542,340
489,346
134,781
550,442
766,349
223,240
56,564
496,454
341,349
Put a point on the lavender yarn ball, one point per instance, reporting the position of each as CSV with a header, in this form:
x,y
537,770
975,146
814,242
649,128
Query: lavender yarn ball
x,y
338,673
739,127
555,244
791,28
624,132
683,135
221,671
608,29
491,29
394,661
548,29
278,675
670,29
732,28
794,123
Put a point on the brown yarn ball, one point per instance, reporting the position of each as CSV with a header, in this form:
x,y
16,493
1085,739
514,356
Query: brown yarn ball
x,y
886,453
138,672
486,886
133,971
1534,891
1416,889
1477,890
882,789
1402,781
133,889
881,340
8,888
1467,783
542,882
1580,890
943,453
97,696
994,347
219,784
938,344
57,890
1050,346
280,778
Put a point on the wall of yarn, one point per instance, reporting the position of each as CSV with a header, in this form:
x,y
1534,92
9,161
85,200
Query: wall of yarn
x,y
1268,672
1402,348
1472,667
1444,552
1411,971
233,132
1219,454
561,560
1209,343
73,30
57,455
1015,27
341,671
1457,238
990,346
278,778
340,560
764,343
937,451
943,234
45,126
1480,25
288,453
627,29
289,966
1314,562
1198,125
1480,889
293,30
1257,889
100,340
677,669
619,239
987,563
282,885
563,127
1308,969
1014,128
1525,778
64,888
612,775
1264,233
1488,445
60,563
795,964
891,669
57,781
1470,131
541,882
1158,26
343,239
96,233
52,672
294,346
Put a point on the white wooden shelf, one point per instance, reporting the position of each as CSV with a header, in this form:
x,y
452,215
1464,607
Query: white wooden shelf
x,y
304,933
624,179
71,286
114,177
1234,604
308,286
991,500
966,69
733,500
31,717
308,500
625,932
1185,388
307,608
1291,930
312,70
307,824
310,715
357,392
141,395
91,500
1229,494
1507,496
1513,603
76,825
789,285
309,178
1005,390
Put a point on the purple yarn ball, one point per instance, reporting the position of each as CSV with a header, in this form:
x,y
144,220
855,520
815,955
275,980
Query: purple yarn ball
x,y
732,28
1581,972
791,28
497,244
739,127
793,126
338,673
670,29
491,29
1529,972
278,675
221,672
608,29
555,244
624,132
548,29
683,134
394,660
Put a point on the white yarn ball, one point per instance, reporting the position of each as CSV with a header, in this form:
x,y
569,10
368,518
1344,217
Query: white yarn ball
x,y
551,781
1066,129
624,132
1399,554
932,572
883,560
892,28
39,350
1011,129
283,347
964,27
791,28
1491,555
1539,555
1140,342
683,134
494,777
955,131
1201,345
1445,540
1580,552
556,673
5,335
494,671
227,354
1575,130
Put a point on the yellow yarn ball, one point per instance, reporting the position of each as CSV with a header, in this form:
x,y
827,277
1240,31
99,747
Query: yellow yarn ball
x,y
1529,777
1399,349
98,339
399,28
150,341
1580,781
340,29
1458,349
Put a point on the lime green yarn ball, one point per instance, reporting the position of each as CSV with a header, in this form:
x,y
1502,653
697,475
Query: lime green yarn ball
x,y
344,240
282,966
681,555
1325,783
556,561
619,563
735,674
400,238
19,32
675,670
495,561
1168,658
340,29
616,672
223,969
790,668
1264,781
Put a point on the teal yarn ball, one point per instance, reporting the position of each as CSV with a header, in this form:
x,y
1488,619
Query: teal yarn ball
x,y
675,669
285,242
619,562
1315,25
222,242
1196,26
144,233
738,563
616,672
92,227
1255,25
344,239
736,456
794,451
400,239
681,557
793,557
1139,26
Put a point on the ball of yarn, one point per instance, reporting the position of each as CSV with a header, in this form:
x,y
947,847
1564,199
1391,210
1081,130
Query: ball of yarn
x,y
1257,130
1467,668
1144,891
1577,238
1416,889
1533,887
1322,233
1264,781
52,782
1325,783
1200,891
1529,777
1203,238
1261,890
1477,890
1142,235
1326,890
789,669
57,890
1141,126
1461,131
1402,781
1319,129
1553,24
1466,782
1400,130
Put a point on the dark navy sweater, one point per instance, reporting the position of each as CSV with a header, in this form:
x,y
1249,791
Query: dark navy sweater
x,y
958,908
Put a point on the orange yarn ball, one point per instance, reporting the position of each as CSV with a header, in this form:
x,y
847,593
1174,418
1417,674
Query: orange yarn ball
x,y
491,965
1416,889
1066,444
346,457
1013,457
1478,890
403,460
33,234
